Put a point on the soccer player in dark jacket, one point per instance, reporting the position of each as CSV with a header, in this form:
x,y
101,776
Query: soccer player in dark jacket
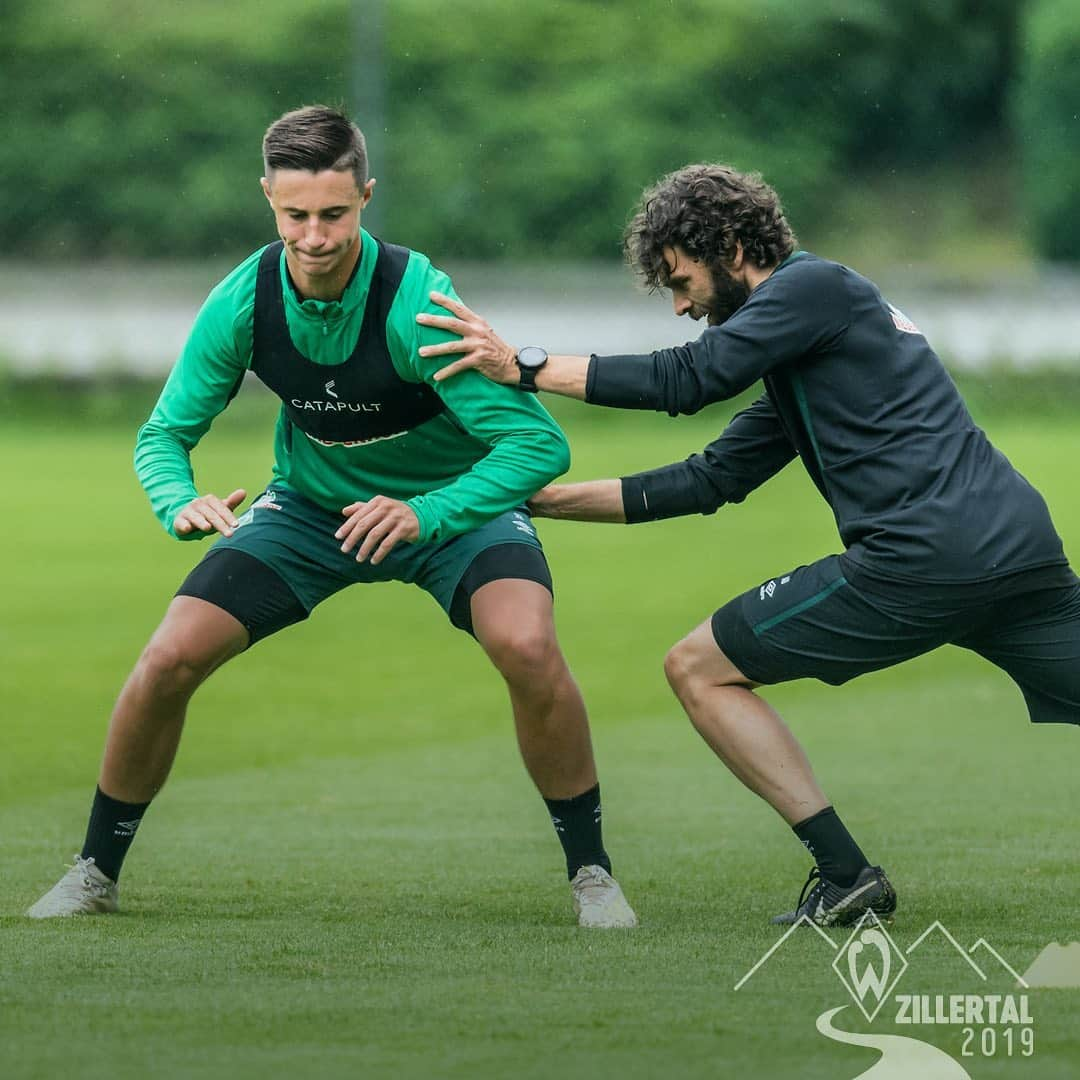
x,y
944,541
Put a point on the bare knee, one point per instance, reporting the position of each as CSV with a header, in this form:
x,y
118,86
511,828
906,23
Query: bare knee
x,y
167,669
680,668
193,640
524,652
696,665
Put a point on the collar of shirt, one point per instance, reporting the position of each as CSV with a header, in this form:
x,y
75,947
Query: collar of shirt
x,y
354,296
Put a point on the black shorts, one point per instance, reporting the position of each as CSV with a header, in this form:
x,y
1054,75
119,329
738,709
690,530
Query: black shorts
x,y
833,620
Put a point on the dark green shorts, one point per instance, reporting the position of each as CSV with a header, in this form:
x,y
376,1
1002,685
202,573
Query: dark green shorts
x,y
833,620
294,538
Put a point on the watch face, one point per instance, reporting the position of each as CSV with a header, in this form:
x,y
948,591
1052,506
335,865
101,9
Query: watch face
x,y
532,357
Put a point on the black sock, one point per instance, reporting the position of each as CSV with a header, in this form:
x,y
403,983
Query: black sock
x,y
577,825
838,857
110,832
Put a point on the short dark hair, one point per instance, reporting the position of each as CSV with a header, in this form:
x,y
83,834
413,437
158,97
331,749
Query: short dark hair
x,y
706,210
315,138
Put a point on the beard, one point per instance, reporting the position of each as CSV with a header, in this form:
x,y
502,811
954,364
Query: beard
x,y
728,296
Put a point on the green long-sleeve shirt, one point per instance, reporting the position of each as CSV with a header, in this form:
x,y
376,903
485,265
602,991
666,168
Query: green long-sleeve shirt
x,y
488,451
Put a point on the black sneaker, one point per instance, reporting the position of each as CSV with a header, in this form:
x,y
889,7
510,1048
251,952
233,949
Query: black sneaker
x,y
829,904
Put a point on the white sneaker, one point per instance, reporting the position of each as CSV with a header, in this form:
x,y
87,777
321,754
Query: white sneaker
x,y
598,900
83,890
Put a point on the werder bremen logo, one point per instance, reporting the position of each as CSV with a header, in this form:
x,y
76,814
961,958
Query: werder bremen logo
x,y
870,965
989,1023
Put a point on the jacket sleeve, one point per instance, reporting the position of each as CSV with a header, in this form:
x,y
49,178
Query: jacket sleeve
x,y
798,309
752,448
526,448
203,381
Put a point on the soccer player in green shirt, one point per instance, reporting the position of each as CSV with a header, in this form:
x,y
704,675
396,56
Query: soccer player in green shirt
x,y
380,474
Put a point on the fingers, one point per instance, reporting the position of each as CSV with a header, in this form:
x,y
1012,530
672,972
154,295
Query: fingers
x,y
444,322
208,513
461,345
382,536
352,532
219,514
377,526
456,306
463,364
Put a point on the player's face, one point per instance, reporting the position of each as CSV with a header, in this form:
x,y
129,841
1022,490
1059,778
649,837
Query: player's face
x,y
318,218
702,291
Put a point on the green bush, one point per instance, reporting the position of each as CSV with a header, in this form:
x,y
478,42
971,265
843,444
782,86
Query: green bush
x,y
518,132
1048,123
137,133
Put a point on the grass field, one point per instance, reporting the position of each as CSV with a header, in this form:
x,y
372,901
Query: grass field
x,y
349,874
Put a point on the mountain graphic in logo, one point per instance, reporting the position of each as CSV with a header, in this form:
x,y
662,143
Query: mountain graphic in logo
x,y
966,956
1057,966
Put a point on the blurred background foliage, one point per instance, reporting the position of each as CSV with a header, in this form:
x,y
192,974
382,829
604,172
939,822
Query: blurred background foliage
x,y
528,131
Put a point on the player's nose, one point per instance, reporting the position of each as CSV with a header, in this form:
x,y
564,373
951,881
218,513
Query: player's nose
x,y
681,304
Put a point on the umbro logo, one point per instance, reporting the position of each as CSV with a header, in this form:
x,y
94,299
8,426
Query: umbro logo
x,y
771,586
126,828
523,524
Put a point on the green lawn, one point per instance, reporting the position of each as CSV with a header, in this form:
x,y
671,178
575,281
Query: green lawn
x,y
349,874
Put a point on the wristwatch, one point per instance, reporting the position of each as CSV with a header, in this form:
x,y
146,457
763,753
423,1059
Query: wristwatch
x,y
529,361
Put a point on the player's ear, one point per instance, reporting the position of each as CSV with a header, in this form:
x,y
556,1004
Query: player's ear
x,y
366,193
737,258
265,185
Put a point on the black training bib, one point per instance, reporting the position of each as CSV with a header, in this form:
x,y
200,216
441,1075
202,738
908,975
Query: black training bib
x,y
361,400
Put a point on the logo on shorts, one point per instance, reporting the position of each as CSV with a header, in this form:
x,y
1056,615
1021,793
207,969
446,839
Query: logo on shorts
x,y
266,501
523,524
771,586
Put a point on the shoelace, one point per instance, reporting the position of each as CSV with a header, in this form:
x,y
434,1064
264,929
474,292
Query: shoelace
x,y
592,885
815,875
81,865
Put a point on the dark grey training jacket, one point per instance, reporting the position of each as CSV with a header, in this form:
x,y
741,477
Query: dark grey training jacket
x,y
854,389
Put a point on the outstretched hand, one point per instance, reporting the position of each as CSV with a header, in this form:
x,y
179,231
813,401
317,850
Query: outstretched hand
x,y
480,348
208,514
380,523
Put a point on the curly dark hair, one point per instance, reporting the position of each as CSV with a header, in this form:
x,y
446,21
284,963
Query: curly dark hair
x,y
706,210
